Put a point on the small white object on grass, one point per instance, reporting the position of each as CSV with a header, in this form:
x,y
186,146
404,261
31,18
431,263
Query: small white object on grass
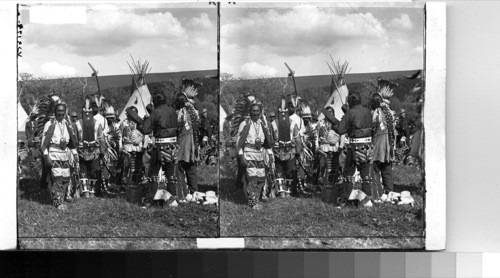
x,y
383,198
210,194
393,196
357,194
406,199
162,194
198,196
211,200
368,204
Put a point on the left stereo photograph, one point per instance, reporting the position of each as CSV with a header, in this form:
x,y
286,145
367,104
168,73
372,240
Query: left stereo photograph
x,y
117,126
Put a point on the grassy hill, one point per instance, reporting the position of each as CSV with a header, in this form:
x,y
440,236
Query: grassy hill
x,y
304,82
319,81
113,81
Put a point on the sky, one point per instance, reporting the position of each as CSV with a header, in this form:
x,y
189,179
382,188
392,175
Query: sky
x,y
256,41
170,37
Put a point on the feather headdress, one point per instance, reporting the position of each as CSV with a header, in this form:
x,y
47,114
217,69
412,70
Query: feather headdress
x,y
295,101
44,108
87,107
305,110
190,87
109,111
283,107
386,88
241,112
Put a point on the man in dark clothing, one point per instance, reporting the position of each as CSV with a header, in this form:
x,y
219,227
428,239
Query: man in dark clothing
x,y
163,124
402,126
357,124
30,130
91,150
205,126
271,123
226,129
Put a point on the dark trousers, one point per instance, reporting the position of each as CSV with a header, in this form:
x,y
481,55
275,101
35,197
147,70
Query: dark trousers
x,y
252,187
189,171
332,166
112,173
89,168
58,189
154,168
132,165
285,168
385,169
364,169
45,179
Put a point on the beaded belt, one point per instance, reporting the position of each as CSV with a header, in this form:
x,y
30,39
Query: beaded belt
x,y
360,140
166,140
89,144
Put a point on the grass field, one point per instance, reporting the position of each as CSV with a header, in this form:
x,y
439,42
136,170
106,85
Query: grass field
x,y
311,217
114,217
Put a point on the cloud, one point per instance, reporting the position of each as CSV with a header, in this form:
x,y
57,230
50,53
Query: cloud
x,y
107,31
254,69
202,22
418,50
301,30
55,69
403,22
24,67
226,68
171,68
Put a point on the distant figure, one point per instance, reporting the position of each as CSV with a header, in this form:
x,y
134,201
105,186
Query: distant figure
x,y
402,126
226,129
76,124
205,127
30,128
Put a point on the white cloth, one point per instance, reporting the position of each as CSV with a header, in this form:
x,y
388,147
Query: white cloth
x,y
60,131
131,138
102,121
299,122
255,131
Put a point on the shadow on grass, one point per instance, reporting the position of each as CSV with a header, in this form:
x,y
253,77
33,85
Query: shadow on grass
x,y
29,189
230,192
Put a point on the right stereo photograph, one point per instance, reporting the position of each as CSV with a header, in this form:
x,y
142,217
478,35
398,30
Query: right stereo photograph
x,y
321,122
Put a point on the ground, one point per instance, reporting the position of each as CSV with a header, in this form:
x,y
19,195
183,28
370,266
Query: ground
x,y
114,217
311,217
